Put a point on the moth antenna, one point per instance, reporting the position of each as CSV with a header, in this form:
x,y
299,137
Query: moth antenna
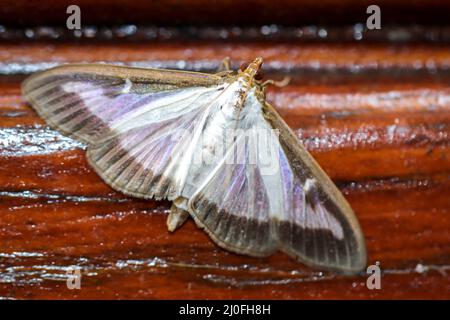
x,y
283,83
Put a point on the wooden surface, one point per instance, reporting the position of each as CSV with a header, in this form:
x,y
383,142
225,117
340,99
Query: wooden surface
x,y
374,113
384,140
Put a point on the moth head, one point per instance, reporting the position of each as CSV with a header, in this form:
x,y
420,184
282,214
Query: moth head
x,y
253,75
253,70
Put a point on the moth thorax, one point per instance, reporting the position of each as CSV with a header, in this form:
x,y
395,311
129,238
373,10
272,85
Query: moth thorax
x,y
245,83
232,111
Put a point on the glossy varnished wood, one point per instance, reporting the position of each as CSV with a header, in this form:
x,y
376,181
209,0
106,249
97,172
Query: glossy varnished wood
x,y
381,133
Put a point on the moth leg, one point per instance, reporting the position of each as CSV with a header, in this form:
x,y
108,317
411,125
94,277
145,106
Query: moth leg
x,y
176,218
225,67
279,84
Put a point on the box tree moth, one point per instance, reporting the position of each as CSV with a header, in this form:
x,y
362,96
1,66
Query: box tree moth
x,y
211,144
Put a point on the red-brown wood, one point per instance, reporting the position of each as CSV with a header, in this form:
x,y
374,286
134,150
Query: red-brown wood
x,y
384,140
374,111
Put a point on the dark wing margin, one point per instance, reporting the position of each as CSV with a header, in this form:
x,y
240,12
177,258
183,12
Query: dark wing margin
x,y
328,234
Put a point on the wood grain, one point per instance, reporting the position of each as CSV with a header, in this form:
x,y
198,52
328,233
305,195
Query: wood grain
x,y
381,132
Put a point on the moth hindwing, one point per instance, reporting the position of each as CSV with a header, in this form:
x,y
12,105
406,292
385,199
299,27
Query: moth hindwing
x,y
210,143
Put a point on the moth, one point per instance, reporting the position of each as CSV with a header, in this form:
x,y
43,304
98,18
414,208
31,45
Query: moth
x,y
211,144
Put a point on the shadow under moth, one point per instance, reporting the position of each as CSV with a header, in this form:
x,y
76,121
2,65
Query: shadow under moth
x,y
211,144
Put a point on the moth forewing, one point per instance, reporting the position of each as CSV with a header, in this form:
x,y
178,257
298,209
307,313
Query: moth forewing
x,y
316,180
94,96
146,76
129,118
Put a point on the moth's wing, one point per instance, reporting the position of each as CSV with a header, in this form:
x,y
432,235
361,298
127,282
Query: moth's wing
x,y
255,207
137,122
325,232
231,202
151,160
86,101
